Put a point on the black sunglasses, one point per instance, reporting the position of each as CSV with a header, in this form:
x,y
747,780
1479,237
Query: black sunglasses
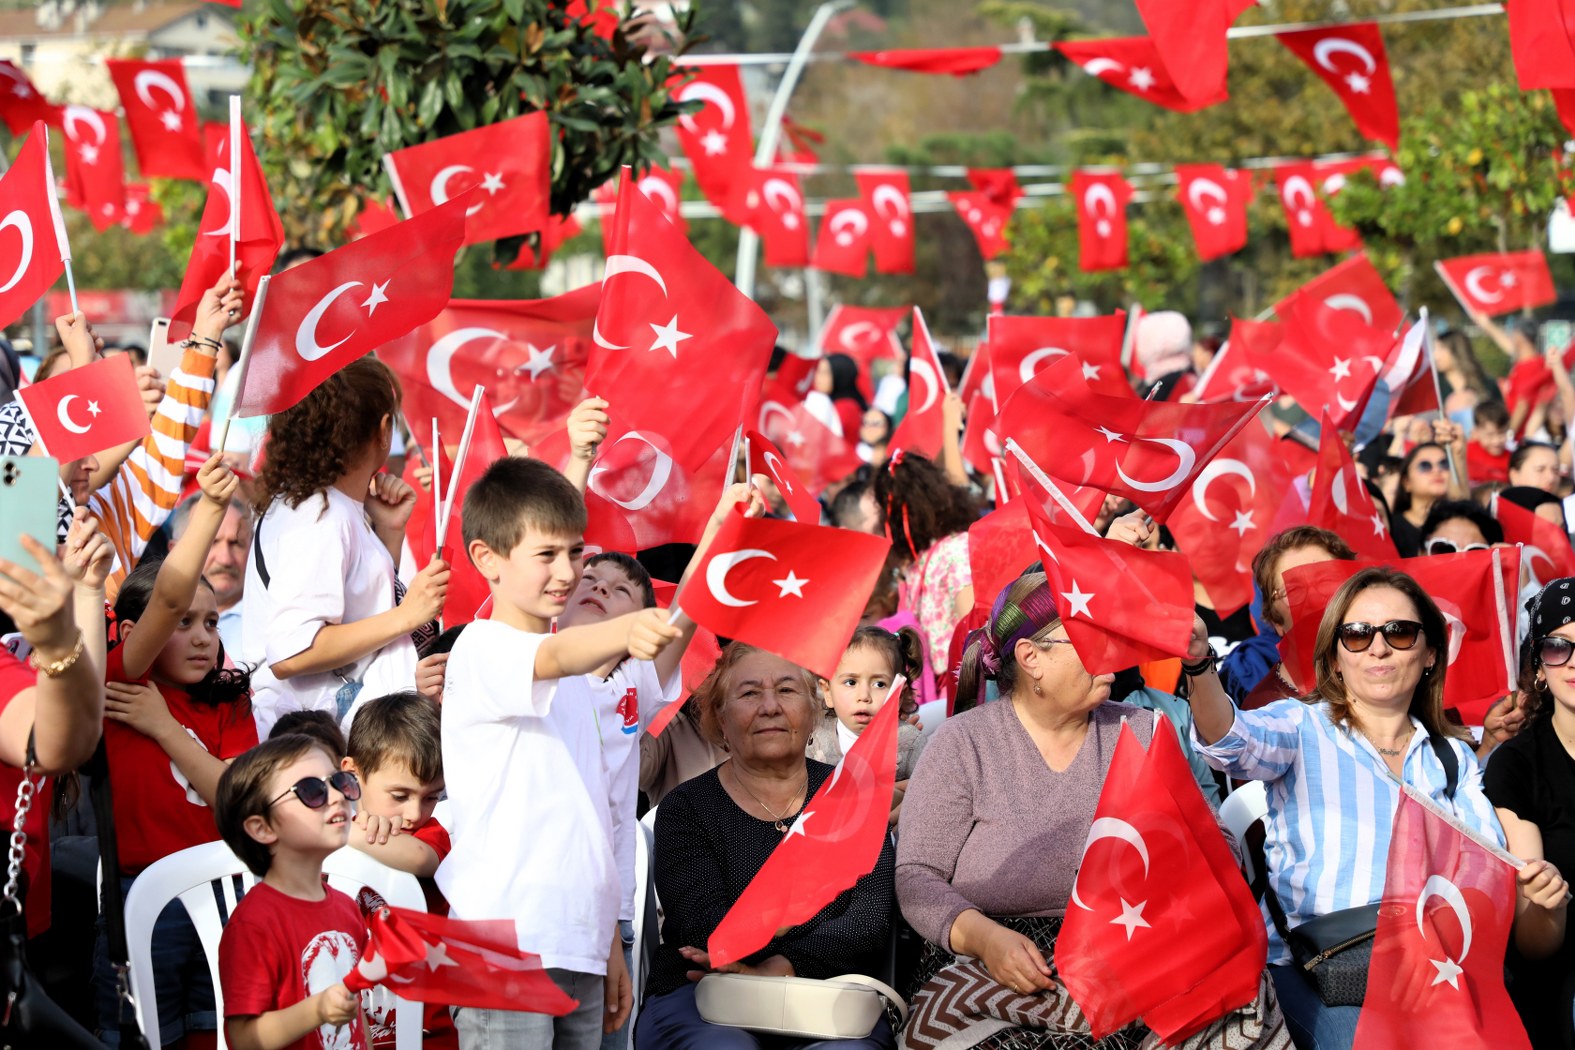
x,y
313,791
1555,652
1443,546
1399,634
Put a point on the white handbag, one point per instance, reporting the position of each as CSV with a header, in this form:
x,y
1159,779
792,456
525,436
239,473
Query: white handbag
x,y
846,1007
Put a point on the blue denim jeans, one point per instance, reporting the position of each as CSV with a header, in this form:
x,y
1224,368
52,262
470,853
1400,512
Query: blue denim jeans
x,y
182,984
511,1030
673,1022
1313,1026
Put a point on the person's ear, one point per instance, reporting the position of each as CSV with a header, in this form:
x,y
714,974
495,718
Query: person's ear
x,y
123,630
260,830
485,559
1028,656
348,765
825,693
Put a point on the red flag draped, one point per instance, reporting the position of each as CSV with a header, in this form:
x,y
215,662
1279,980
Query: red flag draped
x,y
86,410
1133,64
1350,58
716,137
1020,347
162,117
922,428
509,163
843,243
953,61
1353,285
774,206
1542,41
886,198
986,220
1313,230
21,103
1328,359
1498,284
1237,369
1215,201
766,458
1000,548
1342,504
95,168
1102,199
30,220
1190,38
812,450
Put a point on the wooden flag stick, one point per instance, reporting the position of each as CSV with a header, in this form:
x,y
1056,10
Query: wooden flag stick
x,y
1049,486
459,465
245,360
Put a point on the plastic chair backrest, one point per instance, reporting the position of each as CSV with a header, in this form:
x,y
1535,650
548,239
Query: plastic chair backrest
x,y
644,905
1241,809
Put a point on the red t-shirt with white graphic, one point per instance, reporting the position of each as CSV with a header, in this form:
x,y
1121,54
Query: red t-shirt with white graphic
x,y
278,950
157,812
15,677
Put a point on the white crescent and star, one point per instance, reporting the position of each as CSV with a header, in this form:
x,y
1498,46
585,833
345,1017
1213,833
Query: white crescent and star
x,y
1217,469
1446,891
782,198
1097,67
769,407
1099,201
699,89
150,80
1298,189
854,335
1348,301
1207,188
439,188
19,221
717,569
654,186
1475,289
1031,362
919,368
306,343
653,487
1131,915
779,471
849,224
75,115
621,264
1186,460
1325,50
440,360
63,413
887,195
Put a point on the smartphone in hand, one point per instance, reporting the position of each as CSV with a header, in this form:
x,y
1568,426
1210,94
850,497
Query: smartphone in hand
x,y
29,496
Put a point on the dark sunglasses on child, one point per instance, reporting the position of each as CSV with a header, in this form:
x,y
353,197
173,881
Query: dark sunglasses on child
x,y
1399,634
1555,652
313,791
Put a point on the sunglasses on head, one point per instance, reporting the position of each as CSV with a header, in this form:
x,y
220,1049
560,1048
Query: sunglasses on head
x,y
1443,546
1398,634
313,791
1555,652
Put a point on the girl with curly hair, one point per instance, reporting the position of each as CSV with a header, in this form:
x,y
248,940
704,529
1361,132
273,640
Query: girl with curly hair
x,y
324,613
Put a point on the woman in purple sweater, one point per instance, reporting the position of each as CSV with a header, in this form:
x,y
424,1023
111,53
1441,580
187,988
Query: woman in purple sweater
x,y
992,829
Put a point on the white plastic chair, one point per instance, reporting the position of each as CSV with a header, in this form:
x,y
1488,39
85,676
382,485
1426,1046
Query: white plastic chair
x,y
931,715
644,905
209,880
1241,809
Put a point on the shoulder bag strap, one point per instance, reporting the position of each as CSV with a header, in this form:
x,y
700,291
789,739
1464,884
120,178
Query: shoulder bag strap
x,y
112,905
257,554
887,992
1449,760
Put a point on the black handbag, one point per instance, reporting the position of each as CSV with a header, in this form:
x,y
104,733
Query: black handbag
x,y
1334,950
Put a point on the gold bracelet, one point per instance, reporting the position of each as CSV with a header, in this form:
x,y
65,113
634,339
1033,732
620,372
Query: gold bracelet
x,y
62,665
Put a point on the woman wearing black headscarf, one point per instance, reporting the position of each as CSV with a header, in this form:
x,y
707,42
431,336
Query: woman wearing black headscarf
x,y
837,377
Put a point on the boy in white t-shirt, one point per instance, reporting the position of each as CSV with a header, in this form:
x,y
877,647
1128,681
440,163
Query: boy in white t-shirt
x,y
532,805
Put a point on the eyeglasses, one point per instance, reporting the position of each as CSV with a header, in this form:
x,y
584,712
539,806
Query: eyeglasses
x,y
1427,466
1555,652
313,791
1443,546
1399,634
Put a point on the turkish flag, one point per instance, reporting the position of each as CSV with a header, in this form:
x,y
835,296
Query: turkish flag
x,y
95,169
998,184
766,458
530,355
1020,347
716,137
1544,546
795,589
1133,64
664,188
374,216
1342,504
1161,925
1001,548
843,243
1231,515
953,61
922,429
1102,199
1350,58
1542,41
1190,38
774,205
1408,376
1236,371
890,208
865,333
1215,201
86,410
1353,285
143,213
1436,978
835,842
986,220
29,207
1329,359
1475,590
981,445
457,962
1498,284
1312,228
162,117
406,273
1147,451
509,162
467,588
976,374
21,103
259,239
813,450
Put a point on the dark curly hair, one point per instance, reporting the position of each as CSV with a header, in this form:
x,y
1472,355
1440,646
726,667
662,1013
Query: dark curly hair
x,y
314,442
221,685
919,506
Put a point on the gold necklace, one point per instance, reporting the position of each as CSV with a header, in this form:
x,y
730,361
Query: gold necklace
x,y
1396,753
778,822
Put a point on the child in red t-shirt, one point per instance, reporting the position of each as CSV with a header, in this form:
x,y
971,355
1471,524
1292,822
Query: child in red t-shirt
x,y
1487,455
174,715
284,807
396,752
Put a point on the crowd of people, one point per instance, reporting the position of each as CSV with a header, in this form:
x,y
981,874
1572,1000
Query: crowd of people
x,y
247,652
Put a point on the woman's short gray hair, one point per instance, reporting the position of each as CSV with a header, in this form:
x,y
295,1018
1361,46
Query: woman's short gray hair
x,y
711,696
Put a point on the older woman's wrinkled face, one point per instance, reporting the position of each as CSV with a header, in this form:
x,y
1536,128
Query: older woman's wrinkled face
x,y
1061,675
767,710
1382,675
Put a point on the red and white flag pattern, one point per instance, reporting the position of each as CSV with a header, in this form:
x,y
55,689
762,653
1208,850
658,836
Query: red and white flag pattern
x,y
1102,199
765,458
1329,359
1313,229
1342,504
1190,38
774,203
922,429
162,117
1133,64
716,138
1020,347
86,410
1545,550
95,169
1236,372
1499,283
509,163
986,220
1353,285
890,208
1350,58
1215,201
843,243
21,103
33,246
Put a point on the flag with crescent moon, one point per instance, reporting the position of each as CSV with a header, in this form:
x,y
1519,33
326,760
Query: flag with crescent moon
x,y
161,116
890,208
30,220
1355,285
84,411
1544,546
773,201
1102,199
922,428
843,243
95,166
1215,201
1313,229
714,133
1350,58
1329,359
767,459
1021,346
21,103
1133,65
1499,283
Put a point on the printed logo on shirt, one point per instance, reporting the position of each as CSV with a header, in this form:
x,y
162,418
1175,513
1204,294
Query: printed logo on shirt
x,y
629,708
327,960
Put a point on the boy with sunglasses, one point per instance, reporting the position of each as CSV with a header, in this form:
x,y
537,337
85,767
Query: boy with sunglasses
x,y
283,807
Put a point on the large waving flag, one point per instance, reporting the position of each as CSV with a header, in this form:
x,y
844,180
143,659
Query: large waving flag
x,y
30,220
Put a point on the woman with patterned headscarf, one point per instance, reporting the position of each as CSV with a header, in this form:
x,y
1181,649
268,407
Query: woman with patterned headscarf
x,y
991,835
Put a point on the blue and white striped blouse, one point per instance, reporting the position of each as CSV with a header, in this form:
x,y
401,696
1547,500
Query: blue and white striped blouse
x,y
1332,803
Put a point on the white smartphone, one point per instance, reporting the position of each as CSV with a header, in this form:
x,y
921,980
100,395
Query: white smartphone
x,y
162,355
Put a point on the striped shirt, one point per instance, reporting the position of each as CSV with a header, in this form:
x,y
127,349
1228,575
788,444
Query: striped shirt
x,y
1332,803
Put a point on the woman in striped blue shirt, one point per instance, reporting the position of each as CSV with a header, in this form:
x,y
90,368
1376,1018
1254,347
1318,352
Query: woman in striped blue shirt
x,y
1334,765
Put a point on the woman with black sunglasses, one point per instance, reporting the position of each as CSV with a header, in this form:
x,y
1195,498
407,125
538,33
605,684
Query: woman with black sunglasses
x,y
1334,765
1530,780
1425,479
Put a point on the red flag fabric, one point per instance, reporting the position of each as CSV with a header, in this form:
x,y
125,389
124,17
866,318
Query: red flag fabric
x,y
1329,359
21,103
162,117
529,354
467,588
1021,346
143,213
865,333
797,590
716,138
375,215
950,61
774,206
765,458
1231,515
986,220
436,959
886,198
259,239
1215,201
981,444
1147,451
668,322
548,240
664,188
1408,376
1000,548
1356,286
835,842
1236,370
843,243
1476,592
1341,503
28,207
95,169
1437,973
1102,199
1190,38
1542,42
407,272
813,451
86,410
1192,946
922,429
1312,228
1350,58
508,162
1544,546
1133,64
998,184
1498,284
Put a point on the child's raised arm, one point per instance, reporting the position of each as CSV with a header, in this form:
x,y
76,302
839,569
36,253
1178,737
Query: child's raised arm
x,y
581,650
587,427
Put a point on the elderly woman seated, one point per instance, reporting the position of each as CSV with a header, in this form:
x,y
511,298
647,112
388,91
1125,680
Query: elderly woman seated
x,y
714,833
